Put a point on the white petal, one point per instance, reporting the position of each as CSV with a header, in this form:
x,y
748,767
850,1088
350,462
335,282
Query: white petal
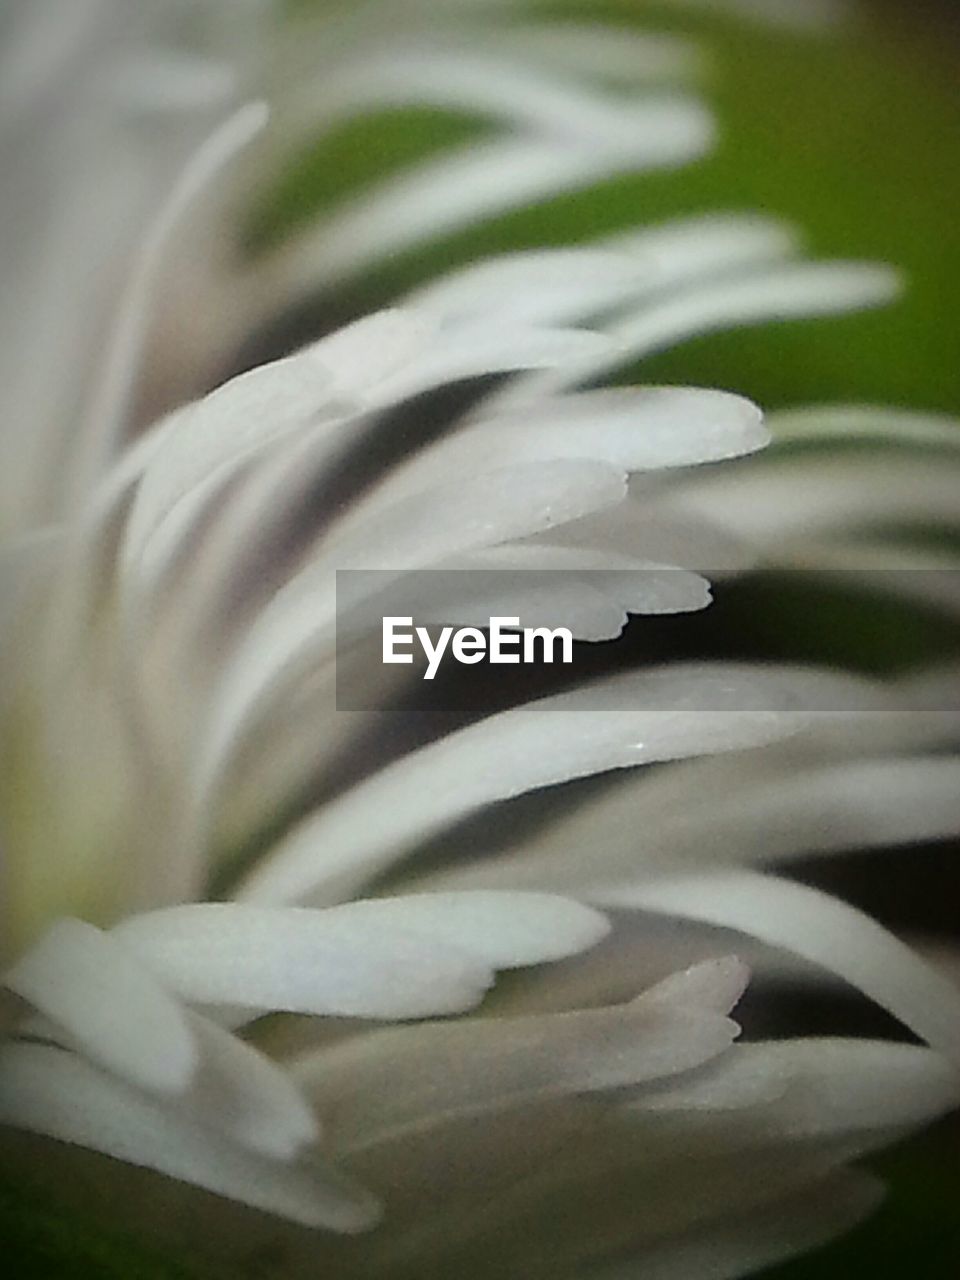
x,y
711,818
801,498
835,424
484,179
820,929
393,957
629,720
589,592
382,1086
543,286
686,250
459,352
110,1007
633,430
777,292
506,930
474,80
303,961
47,1090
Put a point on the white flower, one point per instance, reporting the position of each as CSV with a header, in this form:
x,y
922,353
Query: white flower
x,y
171,736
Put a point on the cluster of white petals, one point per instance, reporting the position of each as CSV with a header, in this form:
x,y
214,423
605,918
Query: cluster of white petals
x,y
188,844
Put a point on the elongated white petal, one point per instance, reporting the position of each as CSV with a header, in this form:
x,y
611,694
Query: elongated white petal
x,y
590,593
369,964
777,292
109,1005
565,285
797,500
630,720
472,80
634,430
822,930
860,805
50,1091
545,286
459,352
753,815
243,415
690,250
835,424
506,930
384,1085
400,957
485,179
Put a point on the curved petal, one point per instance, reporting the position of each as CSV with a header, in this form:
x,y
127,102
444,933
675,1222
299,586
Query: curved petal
x,y
822,930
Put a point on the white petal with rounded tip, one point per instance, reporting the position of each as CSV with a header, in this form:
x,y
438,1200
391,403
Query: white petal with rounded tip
x,y
590,593
544,286
385,1085
50,1091
395,957
506,930
712,984
302,961
777,292
822,930
624,721
633,430
111,1008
